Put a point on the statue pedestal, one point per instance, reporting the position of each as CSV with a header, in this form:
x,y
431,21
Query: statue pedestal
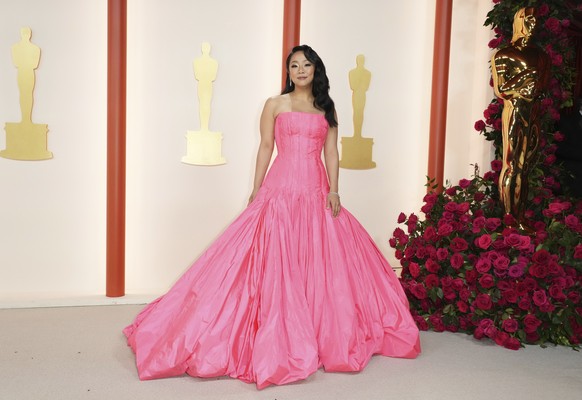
x,y
26,141
203,148
357,153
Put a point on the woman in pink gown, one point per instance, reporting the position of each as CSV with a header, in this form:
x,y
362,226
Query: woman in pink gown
x,y
295,283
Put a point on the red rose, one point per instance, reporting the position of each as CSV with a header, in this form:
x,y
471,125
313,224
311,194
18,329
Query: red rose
x,y
501,263
431,281
510,325
542,256
451,206
558,206
501,338
538,270
574,297
420,252
426,208
512,344
513,240
492,332
457,261
464,294
485,323
462,306
401,218
571,221
437,323
556,292
483,241
539,297
553,25
578,251
509,220
442,254
421,323
449,294
530,284
445,229
532,337
490,176
524,243
560,282
547,307
398,233
430,198
464,183
524,303
531,323
516,270
464,206
510,295
494,43
483,265
459,244
479,125
412,219
418,291
483,301
429,234
491,224
471,276
432,266
487,281
544,9
392,242
479,333
496,165
414,269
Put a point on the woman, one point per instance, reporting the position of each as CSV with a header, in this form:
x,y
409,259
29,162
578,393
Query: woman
x,y
295,283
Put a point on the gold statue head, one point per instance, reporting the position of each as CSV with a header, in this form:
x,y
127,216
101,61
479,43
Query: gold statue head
x,y
524,22
25,33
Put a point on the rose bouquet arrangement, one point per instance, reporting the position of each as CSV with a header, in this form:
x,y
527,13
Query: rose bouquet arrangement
x,y
466,265
466,269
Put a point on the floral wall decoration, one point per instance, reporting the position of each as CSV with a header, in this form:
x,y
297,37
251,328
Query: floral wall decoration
x,y
466,268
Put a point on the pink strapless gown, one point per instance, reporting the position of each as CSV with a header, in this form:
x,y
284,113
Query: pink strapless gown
x,y
285,290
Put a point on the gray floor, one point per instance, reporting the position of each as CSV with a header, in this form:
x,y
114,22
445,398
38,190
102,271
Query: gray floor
x,y
80,353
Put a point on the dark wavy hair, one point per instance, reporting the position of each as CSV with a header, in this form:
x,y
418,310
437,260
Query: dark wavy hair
x,y
320,87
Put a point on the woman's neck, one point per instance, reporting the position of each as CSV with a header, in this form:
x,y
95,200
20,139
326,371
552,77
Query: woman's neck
x,y
302,94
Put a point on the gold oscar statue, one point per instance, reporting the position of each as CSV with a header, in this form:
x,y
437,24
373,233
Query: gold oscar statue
x,y
204,146
520,74
357,150
26,140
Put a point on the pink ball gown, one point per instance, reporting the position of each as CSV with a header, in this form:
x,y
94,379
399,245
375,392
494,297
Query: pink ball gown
x,y
286,289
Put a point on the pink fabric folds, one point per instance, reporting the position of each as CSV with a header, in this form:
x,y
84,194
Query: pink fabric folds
x,y
285,290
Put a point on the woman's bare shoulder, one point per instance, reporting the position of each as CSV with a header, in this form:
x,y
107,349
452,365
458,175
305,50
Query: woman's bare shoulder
x,y
278,104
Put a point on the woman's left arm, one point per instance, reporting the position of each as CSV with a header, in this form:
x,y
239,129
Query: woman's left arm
x,y
331,156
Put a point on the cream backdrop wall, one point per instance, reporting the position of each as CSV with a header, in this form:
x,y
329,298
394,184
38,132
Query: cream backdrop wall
x,y
53,213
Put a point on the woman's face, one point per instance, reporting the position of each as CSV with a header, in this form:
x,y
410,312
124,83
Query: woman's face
x,y
301,70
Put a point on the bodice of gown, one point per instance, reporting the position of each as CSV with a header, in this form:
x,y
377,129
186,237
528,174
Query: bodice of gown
x,y
298,167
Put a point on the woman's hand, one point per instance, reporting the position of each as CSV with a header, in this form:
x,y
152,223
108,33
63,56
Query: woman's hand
x,y
333,202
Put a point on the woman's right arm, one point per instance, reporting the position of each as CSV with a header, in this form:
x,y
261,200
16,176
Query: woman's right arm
x,y
266,146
